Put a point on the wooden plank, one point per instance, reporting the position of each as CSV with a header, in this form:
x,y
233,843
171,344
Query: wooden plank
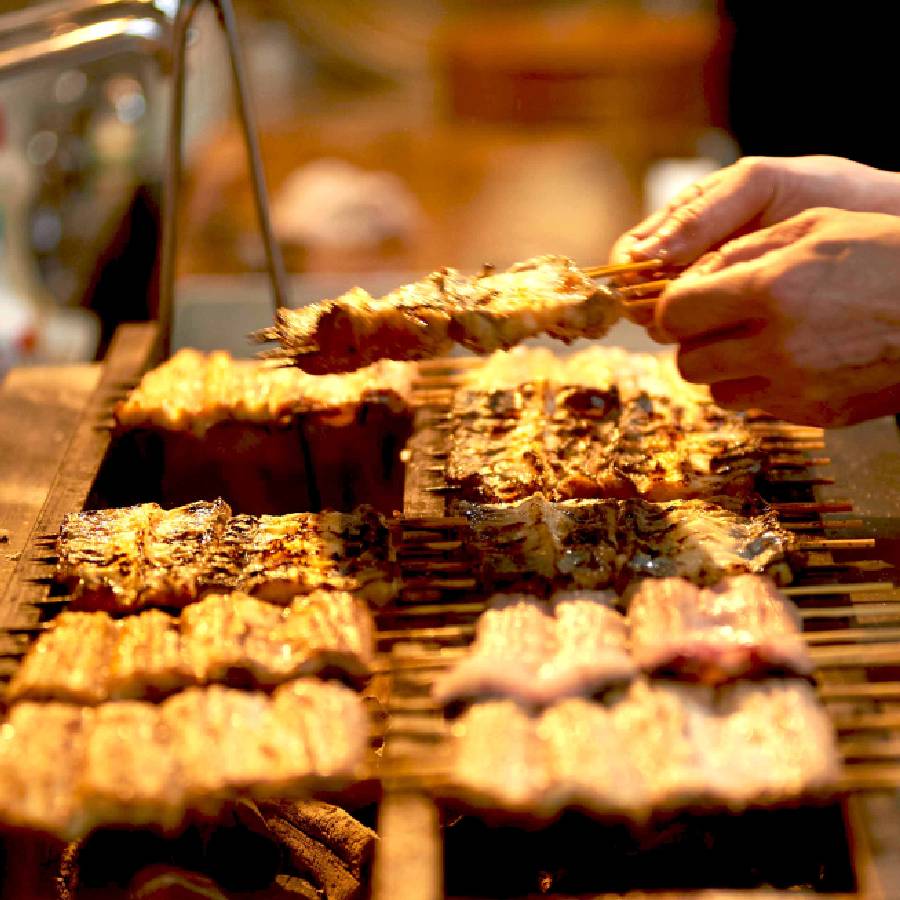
x,y
50,401
875,825
409,859
129,355
408,863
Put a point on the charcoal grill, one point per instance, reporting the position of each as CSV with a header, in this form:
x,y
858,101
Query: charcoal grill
x,y
850,610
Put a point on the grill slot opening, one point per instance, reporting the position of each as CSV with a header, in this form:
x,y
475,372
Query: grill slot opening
x,y
793,848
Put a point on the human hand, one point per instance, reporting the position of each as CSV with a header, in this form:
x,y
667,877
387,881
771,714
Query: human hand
x,y
800,319
753,193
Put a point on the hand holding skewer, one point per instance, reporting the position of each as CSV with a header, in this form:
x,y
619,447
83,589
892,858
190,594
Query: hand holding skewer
x,y
787,304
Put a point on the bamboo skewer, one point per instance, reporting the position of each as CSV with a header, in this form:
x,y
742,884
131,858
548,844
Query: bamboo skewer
x,y
866,690
876,721
871,778
836,544
823,590
428,633
826,506
612,269
449,584
838,636
436,565
435,609
776,462
414,705
867,749
842,657
432,546
421,664
638,290
433,543
858,610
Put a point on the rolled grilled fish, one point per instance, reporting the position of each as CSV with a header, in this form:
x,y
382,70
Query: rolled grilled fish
x,y
90,658
650,750
139,556
740,628
65,770
539,653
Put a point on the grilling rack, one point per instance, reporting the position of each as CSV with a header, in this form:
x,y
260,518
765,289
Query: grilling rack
x,y
848,602
850,610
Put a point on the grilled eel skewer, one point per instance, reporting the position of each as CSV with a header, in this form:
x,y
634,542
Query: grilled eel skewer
x,y
485,312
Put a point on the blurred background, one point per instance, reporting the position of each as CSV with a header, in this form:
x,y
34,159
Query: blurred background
x,y
403,135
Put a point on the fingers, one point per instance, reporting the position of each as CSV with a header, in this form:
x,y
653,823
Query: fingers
x,y
742,393
622,249
627,247
758,243
705,215
780,400
698,304
722,360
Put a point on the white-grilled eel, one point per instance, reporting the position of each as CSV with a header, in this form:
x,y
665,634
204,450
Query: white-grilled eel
x,y
598,544
740,628
125,560
193,391
65,769
594,438
486,312
88,658
502,458
650,749
540,653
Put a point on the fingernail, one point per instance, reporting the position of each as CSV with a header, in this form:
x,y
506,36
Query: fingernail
x,y
646,248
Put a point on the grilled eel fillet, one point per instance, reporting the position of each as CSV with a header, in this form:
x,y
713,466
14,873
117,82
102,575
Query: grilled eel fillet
x,y
742,627
650,749
541,653
125,560
598,544
582,442
67,769
482,312
89,658
193,391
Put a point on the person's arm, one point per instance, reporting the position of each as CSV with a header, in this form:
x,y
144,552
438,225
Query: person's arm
x,y
801,319
754,193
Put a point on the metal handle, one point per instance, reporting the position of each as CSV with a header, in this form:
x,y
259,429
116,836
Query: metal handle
x,y
172,184
174,166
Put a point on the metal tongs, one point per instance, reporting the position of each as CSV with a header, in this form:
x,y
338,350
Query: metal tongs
x,y
73,32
